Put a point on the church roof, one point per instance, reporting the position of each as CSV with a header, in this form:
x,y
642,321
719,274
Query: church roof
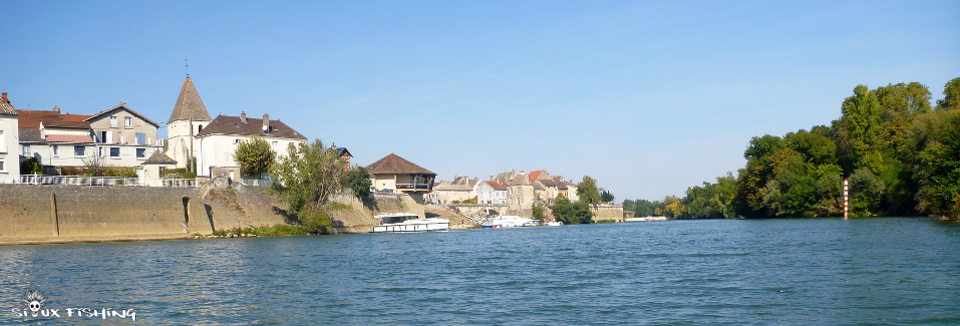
x,y
394,164
189,105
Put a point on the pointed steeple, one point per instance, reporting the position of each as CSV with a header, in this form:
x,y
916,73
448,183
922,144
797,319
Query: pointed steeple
x,y
189,105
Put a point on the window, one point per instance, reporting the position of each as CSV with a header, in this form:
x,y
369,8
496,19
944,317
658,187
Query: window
x,y
113,121
199,128
56,151
141,138
102,137
26,150
128,122
3,168
79,151
141,153
114,152
3,143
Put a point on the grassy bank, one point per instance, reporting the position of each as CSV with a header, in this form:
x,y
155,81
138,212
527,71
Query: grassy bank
x,y
279,230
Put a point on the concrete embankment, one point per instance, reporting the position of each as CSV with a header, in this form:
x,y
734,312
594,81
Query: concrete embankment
x,y
59,214
32,214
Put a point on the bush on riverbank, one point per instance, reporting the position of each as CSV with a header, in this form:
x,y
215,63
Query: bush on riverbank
x,y
279,230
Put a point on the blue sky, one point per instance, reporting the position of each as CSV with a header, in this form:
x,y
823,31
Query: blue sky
x,y
647,97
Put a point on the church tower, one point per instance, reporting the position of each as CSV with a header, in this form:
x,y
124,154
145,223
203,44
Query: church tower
x,y
189,117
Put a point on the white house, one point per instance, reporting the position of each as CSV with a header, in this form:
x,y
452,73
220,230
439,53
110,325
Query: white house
x,y
219,139
118,136
491,192
9,142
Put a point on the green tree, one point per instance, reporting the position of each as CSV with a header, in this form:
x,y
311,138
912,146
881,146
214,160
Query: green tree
x,y
606,196
938,168
358,180
254,156
859,131
752,179
866,191
587,190
538,213
951,96
572,212
306,179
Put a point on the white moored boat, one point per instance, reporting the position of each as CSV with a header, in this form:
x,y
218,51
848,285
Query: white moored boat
x,y
510,221
554,223
406,222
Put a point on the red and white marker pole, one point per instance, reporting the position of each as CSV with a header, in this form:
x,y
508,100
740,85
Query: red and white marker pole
x,y
846,198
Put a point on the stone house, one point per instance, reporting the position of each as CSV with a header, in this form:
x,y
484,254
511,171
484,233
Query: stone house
x,y
393,173
460,189
219,139
9,142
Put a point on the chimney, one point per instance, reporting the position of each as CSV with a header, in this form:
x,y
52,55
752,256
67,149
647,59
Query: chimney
x,y
266,123
491,177
5,99
243,116
56,109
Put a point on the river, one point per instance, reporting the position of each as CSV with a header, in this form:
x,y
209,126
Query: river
x,y
800,272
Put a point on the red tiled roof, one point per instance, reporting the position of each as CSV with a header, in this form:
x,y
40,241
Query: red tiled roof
x,y
534,175
69,139
30,119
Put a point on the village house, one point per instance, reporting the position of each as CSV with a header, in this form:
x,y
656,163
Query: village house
x,y
458,190
118,136
491,192
126,138
9,142
219,139
393,173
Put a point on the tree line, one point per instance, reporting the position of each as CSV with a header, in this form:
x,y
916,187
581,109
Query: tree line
x,y
900,153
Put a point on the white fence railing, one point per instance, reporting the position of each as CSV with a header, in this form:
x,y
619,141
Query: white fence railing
x,y
59,180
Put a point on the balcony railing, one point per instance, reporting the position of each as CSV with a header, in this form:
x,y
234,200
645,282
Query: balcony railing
x,y
413,186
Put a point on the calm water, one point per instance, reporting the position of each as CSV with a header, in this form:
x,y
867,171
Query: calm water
x,y
806,272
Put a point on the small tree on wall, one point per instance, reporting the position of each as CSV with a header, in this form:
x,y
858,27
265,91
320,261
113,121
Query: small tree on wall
x,y
254,156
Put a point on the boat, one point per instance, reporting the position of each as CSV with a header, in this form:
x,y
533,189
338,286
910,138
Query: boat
x,y
407,222
511,221
554,223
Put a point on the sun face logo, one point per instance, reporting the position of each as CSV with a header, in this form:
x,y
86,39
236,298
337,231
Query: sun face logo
x,y
34,300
